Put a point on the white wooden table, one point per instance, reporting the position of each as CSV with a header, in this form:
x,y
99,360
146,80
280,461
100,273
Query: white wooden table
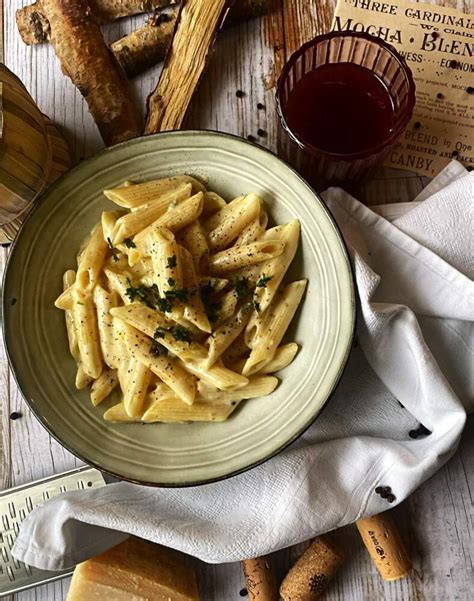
x,y
437,520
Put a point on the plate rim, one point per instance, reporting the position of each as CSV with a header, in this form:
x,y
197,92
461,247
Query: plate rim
x,y
7,333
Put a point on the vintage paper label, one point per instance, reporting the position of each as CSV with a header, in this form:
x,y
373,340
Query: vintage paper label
x,y
438,45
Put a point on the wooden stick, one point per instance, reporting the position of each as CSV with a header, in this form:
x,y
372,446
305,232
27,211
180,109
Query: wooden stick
x,y
197,26
86,59
383,541
260,579
313,571
34,26
147,45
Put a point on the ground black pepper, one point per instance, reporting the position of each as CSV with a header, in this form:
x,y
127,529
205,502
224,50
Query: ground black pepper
x,y
240,94
15,415
251,138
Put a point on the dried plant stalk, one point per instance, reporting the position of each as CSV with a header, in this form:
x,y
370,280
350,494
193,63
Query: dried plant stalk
x,y
85,58
197,26
34,27
147,45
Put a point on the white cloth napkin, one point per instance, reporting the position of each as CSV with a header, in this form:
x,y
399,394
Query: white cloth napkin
x,y
413,348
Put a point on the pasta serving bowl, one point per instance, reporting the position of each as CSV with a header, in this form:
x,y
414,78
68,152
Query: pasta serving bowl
x,y
169,454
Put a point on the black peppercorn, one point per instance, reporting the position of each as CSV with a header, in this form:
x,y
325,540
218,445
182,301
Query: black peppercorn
x,y
15,415
260,106
262,133
470,90
251,138
390,498
243,592
240,94
416,125
439,95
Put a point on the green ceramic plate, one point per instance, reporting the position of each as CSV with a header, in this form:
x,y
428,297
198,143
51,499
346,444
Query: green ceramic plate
x,y
162,454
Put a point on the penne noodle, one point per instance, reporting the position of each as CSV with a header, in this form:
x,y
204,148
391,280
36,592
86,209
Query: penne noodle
x,y
103,386
164,367
130,224
212,203
227,304
274,324
82,379
136,390
283,356
124,371
193,309
137,195
251,273
166,261
92,259
87,334
174,219
225,335
237,257
174,410
68,282
104,301
276,268
64,300
254,230
218,217
258,386
217,375
235,220
108,221
236,351
149,321
118,414
119,282
193,239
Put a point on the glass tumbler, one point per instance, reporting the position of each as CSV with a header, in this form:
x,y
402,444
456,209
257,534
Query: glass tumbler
x,y
318,164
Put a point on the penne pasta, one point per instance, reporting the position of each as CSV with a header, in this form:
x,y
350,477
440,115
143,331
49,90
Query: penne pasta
x,y
212,203
92,259
193,309
194,241
174,410
138,379
166,368
176,302
258,386
103,386
155,325
104,301
254,231
87,334
136,195
235,220
275,269
283,356
68,283
273,327
130,224
82,379
225,335
237,257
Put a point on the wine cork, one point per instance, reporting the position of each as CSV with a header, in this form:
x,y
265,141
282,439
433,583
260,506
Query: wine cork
x,y
260,579
312,572
385,546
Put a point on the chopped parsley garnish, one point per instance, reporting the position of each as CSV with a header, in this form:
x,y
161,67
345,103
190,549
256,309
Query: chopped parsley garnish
x,y
172,261
129,243
206,292
164,305
213,310
172,282
157,349
263,281
159,333
181,334
177,293
257,306
146,294
113,249
241,286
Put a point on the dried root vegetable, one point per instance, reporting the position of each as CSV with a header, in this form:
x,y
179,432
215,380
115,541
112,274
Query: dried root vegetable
x,y
86,59
34,26
197,26
147,45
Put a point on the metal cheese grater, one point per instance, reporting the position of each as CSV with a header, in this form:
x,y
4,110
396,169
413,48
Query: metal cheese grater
x,y
15,504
